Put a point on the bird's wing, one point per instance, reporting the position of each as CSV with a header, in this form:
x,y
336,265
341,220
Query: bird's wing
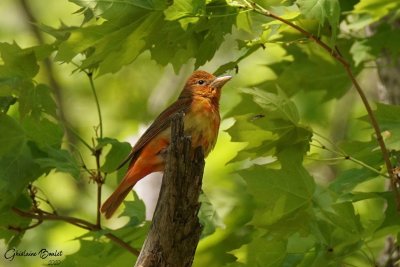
x,y
162,122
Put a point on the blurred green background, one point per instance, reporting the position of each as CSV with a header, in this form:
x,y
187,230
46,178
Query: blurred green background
x,y
130,100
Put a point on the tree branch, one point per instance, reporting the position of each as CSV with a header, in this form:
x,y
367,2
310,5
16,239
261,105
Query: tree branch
x,y
337,55
44,216
175,230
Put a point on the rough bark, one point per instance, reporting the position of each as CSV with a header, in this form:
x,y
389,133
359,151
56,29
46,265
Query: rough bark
x,y
175,230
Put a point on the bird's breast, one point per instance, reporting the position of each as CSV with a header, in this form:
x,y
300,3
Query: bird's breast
x,y
202,123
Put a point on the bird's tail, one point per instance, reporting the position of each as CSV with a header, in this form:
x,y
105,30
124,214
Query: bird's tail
x,y
135,172
116,198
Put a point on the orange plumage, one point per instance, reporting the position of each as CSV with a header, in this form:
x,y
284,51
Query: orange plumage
x,y
199,100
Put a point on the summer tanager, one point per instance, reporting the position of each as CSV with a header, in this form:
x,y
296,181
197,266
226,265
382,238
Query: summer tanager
x,y
199,101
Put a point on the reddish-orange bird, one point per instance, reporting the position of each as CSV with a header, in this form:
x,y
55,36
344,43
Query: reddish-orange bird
x,y
199,101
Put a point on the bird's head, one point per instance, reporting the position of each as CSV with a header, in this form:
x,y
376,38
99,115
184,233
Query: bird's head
x,y
204,84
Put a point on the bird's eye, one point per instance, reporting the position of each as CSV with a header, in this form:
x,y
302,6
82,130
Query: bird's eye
x,y
201,82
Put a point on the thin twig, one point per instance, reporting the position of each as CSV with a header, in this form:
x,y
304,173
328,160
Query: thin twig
x,y
99,181
92,86
52,217
86,144
335,146
98,178
122,244
337,55
23,229
48,203
342,155
347,157
98,217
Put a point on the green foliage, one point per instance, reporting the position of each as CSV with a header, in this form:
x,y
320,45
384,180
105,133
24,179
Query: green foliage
x,y
12,135
92,253
60,160
322,10
331,79
386,116
209,218
305,183
172,32
116,155
376,9
95,250
278,130
18,64
135,210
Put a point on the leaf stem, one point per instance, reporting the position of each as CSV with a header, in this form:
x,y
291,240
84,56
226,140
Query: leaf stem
x,y
347,157
337,55
341,151
92,86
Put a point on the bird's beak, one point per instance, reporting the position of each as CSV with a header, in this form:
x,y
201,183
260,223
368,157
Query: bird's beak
x,y
220,81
